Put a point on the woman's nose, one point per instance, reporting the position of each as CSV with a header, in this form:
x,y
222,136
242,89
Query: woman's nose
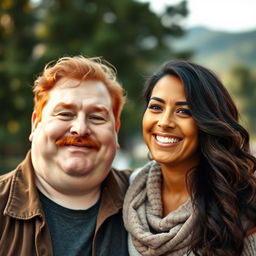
x,y
166,121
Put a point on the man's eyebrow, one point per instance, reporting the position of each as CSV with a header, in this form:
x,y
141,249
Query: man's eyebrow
x,y
64,105
93,108
100,108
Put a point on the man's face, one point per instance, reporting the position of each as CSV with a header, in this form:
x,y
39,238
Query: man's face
x,y
75,140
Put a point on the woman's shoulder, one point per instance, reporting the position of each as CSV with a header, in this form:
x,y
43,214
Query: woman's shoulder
x,y
251,231
134,174
137,171
250,243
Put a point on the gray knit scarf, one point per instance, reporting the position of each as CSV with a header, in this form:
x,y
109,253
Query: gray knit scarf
x,y
151,233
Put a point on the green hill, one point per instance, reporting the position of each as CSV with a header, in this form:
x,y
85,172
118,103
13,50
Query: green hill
x,y
219,50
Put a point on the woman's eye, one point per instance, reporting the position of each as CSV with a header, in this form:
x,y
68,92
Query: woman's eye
x,y
155,107
184,111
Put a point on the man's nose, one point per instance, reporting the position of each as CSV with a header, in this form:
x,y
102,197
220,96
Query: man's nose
x,y
80,127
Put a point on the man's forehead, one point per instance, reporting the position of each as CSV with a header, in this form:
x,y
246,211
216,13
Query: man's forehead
x,y
75,92
66,82
87,86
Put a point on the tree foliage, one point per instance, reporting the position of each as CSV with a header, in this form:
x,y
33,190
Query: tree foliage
x,y
32,32
241,83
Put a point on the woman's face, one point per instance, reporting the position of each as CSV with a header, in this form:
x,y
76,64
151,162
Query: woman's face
x,y
169,130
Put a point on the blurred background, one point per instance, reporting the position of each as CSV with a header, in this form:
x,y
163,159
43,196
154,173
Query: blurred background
x,y
136,37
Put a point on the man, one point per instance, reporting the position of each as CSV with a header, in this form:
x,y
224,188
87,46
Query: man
x,y
64,198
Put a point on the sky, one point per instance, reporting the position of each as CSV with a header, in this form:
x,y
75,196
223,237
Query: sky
x,y
223,15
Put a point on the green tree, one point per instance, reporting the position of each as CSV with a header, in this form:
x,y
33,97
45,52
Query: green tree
x,y
241,83
16,44
125,32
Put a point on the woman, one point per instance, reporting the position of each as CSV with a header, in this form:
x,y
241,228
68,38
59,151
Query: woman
x,y
198,196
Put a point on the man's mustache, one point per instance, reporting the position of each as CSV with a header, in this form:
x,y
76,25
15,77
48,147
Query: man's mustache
x,y
78,141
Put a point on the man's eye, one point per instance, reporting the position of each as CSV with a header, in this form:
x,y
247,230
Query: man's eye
x,y
154,107
97,118
65,114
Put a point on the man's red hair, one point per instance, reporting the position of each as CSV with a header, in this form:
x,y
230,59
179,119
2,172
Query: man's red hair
x,y
82,69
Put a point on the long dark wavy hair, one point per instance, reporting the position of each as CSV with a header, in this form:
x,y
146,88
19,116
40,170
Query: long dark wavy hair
x,y
223,187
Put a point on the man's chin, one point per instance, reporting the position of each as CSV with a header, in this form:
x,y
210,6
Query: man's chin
x,y
75,170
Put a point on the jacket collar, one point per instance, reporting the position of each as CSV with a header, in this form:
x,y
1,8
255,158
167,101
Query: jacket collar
x,y
23,201
112,196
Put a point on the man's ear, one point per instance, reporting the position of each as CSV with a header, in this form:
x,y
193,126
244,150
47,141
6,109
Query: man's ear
x,y
118,124
34,122
117,143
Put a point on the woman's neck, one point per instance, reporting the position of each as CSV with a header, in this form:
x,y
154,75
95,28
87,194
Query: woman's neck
x,y
174,188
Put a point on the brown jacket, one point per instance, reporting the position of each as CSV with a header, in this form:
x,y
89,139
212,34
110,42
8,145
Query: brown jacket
x,y
23,228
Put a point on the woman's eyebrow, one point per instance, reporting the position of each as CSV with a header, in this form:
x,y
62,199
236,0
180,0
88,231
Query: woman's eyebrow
x,y
157,99
181,103
178,103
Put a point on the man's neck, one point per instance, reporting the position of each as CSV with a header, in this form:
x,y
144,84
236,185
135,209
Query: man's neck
x,y
73,201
